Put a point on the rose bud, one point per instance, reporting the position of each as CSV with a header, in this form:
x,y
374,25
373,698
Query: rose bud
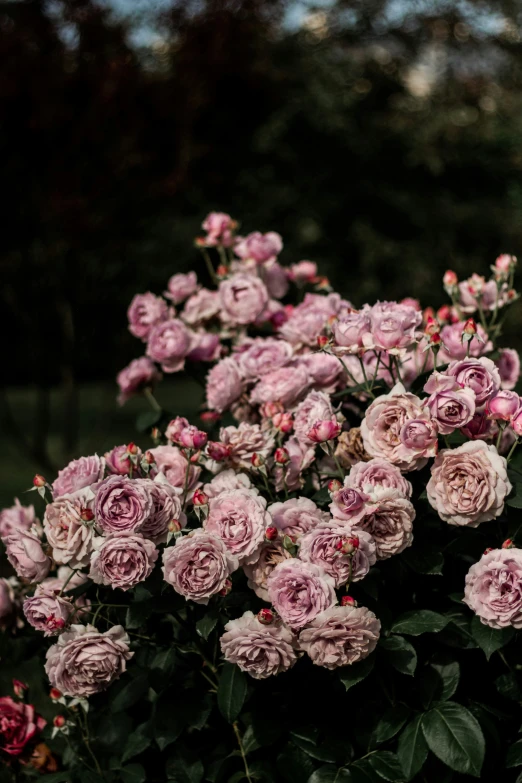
x,y
505,262
334,485
55,694
59,721
19,688
265,616
323,341
444,313
149,458
324,430
270,409
450,279
192,438
271,533
199,498
226,589
508,544
511,295
174,526
39,481
427,313
155,434
469,328
257,460
217,451
132,448
435,339
347,600
432,327
322,284
503,405
86,514
210,416
283,422
281,456
222,271
516,423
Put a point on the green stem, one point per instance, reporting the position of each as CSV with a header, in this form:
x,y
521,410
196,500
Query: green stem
x,y
500,433
242,751
210,266
512,449
154,404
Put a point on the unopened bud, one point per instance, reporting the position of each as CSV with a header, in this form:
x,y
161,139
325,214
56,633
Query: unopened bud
x,y
266,616
132,448
323,341
174,526
19,688
432,327
86,515
210,416
470,327
271,533
270,409
149,458
222,271
444,313
217,451
281,456
347,600
155,434
257,460
508,544
324,430
39,481
192,438
59,721
225,590
199,498
283,422
450,279
334,485
55,694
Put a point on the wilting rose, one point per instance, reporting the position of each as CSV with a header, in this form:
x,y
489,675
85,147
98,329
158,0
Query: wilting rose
x,y
300,591
224,385
69,535
25,553
388,517
121,504
42,759
168,344
181,286
377,473
256,357
258,649
19,724
171,462
145,311
259,247
468,485
166,507
85,661
479,375
322,546
48,611
291,475
347,502
140,374
350,448
227,479
239,517
315,407
508,364
219,227
351,331
16,517
198,566
341,636
201,307
78,474
494,588
285,385
393,327
122,560
271,554
245,441
296,516
503,405
454,348
243,298
450,405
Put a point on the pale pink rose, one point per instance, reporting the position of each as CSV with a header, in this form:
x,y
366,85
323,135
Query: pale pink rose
x,y
70,536
469,484
260,650
166,508
303,272
308,319
351,331
476,293
315,407
47,611
198,566
479,375
503,405
505,263
85,661
347,502
78,474
239,517
494,588
393,327
259,247
385,420
200,307
296,516
145,311
245,441
206,347
480,427
322,431
181,286
25,553
274,277
285,385
325,372
19,726
118,461
140,374
219,227
300,591
122,505
454,348
243,298
451,406
224,384
420,435
341,636
175,427
271,554
388,517
516,423
323,546
122,560
291,475
173,464
68,580
16,517
364,476
256,357
169,343
508,364
227,479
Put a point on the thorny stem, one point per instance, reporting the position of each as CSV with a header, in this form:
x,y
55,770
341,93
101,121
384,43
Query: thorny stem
x,y
242,751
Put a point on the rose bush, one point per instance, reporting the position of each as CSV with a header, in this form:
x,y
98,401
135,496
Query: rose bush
x,y
337,536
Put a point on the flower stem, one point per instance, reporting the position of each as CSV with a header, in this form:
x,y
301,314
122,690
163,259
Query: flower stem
x,y
154,404
210,266
242,751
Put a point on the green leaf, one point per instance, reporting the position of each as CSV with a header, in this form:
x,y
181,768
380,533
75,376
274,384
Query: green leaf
x,y
249,741
351,675
450,675
400,653
133,773
56,777
183,768
509,686
412,749
138,741
138,612
419,621
130,694
490,639
206,625
231,691
515,501
514,755
356,389
330,750
293,765
386,765
330,774
424,560
146,420
391,723
455,737
169,723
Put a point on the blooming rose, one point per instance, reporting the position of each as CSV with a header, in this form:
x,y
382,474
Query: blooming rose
x,y
243,298
450,405
256,357
351,331
384,424
508,364
198,565
468,485
323,546
494,588
393,327
145,311
181,286
239,517
16,517
325,372
69,535
244,441
347,502
479,375
316,406
285,385
85,661
503,405
166,507
138,375
480,427
274,277
19,724
24,552
476,292
388,517
454,348
260,650
201,307
227,479
296,516
300,591
271,554
118,461
309,318
172,463
121,504
78,474
47,611
206,347
224,384
291,475
377,473
123,560
219,227
340,636
169,343
303,272
259,247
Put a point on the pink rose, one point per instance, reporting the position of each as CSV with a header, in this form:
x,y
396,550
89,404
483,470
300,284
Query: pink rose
x,y
175,428
274,277
271,554
198,566
47,611
494,588
259,356
140,374
145,311
71,536
169,343
300,591
227,479
24,552
291,475
364,476
239,517
224,384
200,307
351,331
324,371
476,292
303,272
122,505
123,560
508,364
19,725
296,516
78,474
118,461
206,347
181,286
503,405
259,649
393,327
243,298
285,385
388,517
454,348
173,464
315,407
322,431
85,661
341,636
219,227
322,546
347,502
16,517
166,508
245,441
450,405
479,427
309,318
479,375
468,485
259,247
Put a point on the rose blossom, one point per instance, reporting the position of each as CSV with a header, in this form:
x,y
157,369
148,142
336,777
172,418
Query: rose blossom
x,y
388,517
271,554
85,661
243,298
303,272
476,292
352,330
259,649
393,327
118,461
450,405
172,463
123,560
347,502
469,484
322,431
494,588
296,516
181,286
69,535
377,473
508,364
316,406
244,441
503,405
454,348
385,420
24,552
78,474
479,375
206,347
227,479
285,385
309,318
300,591
291,475
19,724
198,565
169,343
219,227
68,580
201,307
259,247
324,371
341,636
16,517
166,508
224,385
121,504
256,357
138,375
47,611
322,546
175,427
479,427
239,517
145,311
274,277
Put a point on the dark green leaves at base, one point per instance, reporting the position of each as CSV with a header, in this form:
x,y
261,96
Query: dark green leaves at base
x,y
455,737
231,692
514,755
419,622
400,653
351,675
412,750
490,639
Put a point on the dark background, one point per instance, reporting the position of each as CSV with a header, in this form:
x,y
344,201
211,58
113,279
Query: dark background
x,y
381,139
